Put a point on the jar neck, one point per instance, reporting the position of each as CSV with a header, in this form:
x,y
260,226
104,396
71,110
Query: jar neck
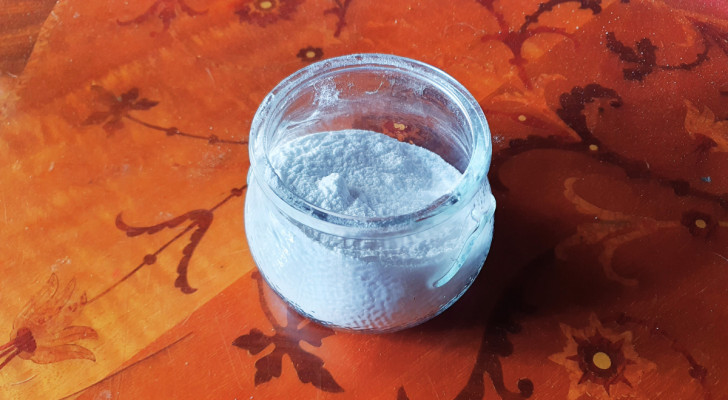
x,y
268,120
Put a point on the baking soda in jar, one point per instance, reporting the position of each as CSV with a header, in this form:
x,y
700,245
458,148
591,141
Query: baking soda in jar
x,y
352,227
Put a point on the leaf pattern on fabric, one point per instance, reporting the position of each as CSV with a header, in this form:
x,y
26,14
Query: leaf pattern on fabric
x,y
43,332
200,221
166,11
286,340
117,108
706,128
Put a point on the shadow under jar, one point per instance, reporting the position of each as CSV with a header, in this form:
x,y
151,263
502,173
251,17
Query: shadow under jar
x,y
374,274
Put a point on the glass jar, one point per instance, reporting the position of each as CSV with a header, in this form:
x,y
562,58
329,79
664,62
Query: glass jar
x,y
371,274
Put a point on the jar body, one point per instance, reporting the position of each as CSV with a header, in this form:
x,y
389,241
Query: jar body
x,y
367,283
372,274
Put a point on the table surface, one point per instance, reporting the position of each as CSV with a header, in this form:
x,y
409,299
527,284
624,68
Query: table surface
x,y
126,274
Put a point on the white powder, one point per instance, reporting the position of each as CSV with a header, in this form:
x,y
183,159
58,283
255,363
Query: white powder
x,y
364,283
363,173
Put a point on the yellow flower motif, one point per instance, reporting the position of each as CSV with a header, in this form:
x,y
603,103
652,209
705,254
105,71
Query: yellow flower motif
x,y
310,54
265,12
42,332
602,364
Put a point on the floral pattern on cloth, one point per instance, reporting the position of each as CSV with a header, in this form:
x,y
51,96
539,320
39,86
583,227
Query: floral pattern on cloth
x,y
125,146
44,333
601,363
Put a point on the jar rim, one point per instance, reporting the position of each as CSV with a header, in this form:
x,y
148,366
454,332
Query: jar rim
x,y
336,223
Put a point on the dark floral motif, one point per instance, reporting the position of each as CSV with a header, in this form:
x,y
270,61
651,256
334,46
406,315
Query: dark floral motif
x,y
198,221
644,56
699,223
514,39
117,108
601,360
601,363
310,54
496,345
286,340
265,12
572,114
43,332
645,53
165,10
402,394
339,10
573,104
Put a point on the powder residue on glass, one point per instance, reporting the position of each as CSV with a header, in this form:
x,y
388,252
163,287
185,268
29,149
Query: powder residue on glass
x,y
362,173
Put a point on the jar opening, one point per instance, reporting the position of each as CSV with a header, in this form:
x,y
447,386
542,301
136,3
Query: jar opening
x,y
396,96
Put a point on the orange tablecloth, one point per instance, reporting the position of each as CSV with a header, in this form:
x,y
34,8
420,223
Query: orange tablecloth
x,y
125,270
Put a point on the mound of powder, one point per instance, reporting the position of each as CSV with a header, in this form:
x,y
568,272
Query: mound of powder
x,y
363,173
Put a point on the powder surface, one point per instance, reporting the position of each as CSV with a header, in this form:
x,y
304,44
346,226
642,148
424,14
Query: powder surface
x,y
363,173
